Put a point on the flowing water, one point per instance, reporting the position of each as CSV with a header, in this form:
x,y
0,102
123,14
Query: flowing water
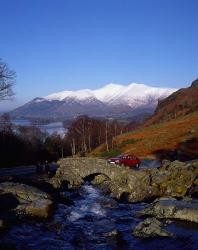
x,y
87,223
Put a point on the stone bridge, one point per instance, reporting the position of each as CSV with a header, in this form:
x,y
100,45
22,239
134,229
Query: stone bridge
x,y
74,171
171,179
84,167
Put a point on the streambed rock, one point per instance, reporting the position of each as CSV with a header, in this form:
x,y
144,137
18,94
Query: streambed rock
x,y
176,178
186,209
173,179
151,228
41,208
112,234
30,200
106,203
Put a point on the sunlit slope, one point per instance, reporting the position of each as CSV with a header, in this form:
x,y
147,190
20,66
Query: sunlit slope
x,y
176,135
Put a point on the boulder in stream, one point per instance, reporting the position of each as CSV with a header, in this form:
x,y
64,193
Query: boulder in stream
x,y
151,228
170,208
29,200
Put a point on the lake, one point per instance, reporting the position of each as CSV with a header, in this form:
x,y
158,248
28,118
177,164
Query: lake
x,y
50,128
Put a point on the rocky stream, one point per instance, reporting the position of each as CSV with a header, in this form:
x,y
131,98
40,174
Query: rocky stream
x,y
101,208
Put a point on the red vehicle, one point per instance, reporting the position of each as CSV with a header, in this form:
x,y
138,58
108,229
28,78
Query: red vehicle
x,y
125,160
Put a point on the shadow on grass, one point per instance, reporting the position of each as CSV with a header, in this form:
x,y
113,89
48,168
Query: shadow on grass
x,y
185,151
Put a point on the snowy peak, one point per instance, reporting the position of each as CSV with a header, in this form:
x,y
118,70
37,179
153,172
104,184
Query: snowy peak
x,y
106,93
112,100
79,94
114,94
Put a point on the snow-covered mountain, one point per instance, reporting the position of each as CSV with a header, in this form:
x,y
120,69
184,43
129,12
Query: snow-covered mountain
x,y
110,100
114,94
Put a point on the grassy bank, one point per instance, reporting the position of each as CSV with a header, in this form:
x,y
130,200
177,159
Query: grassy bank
x,y
150,141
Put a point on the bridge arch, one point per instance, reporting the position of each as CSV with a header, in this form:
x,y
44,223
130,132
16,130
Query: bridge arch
x,y
93,176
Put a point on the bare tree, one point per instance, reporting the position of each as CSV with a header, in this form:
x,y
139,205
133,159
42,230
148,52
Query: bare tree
x,y
73,147
5,122
7,80
85,134
106,135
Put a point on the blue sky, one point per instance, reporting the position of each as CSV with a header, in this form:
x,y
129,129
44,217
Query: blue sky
x,y
73,44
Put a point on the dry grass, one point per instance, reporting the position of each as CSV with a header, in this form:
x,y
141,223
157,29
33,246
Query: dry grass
x,y
163,136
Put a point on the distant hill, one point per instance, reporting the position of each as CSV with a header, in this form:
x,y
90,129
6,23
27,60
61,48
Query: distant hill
x,y
112,100
180,103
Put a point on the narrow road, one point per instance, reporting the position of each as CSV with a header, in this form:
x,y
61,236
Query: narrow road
x,y
23,170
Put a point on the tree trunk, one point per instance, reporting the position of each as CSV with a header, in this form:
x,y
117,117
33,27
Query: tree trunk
x,y
73,147
106,137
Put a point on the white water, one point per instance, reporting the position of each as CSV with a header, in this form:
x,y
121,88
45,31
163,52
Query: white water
x,y
88,206
86,225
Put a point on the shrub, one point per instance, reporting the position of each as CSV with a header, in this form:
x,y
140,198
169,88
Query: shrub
x,y
129,141
111,153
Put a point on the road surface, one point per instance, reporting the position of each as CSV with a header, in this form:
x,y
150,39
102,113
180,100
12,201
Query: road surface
x,y
23,170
